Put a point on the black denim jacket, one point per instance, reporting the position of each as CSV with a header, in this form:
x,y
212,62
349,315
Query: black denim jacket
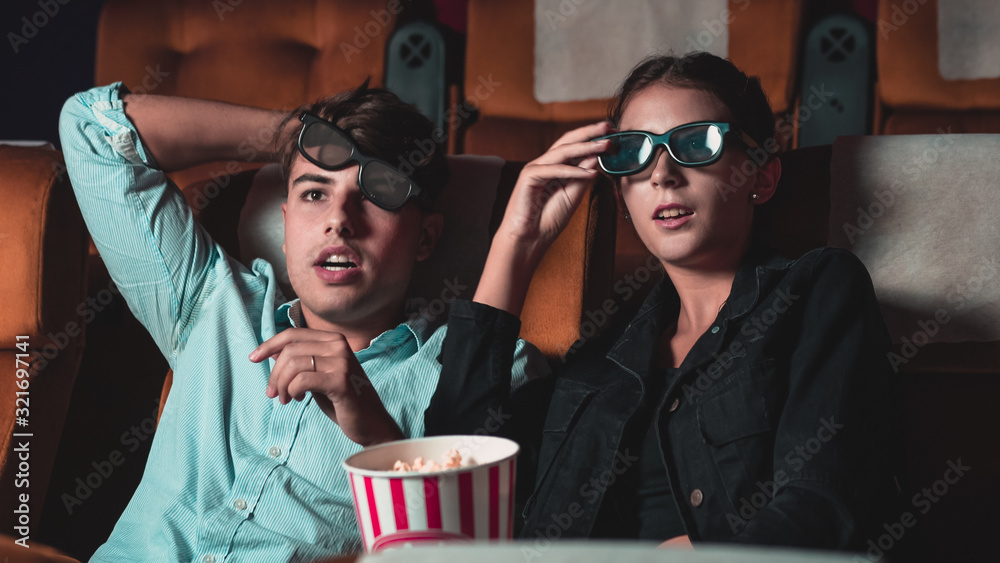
x,y
774,429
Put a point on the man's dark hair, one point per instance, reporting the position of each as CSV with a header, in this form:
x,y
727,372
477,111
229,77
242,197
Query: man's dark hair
x,y
382,126
742,95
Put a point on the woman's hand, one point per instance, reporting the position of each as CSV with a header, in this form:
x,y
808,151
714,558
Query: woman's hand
x,y
322,363
544,199
551,187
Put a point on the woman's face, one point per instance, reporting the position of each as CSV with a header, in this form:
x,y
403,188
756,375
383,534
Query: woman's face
x,y
714,201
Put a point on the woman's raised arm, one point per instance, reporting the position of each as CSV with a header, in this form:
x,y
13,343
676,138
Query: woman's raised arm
x,y
543,201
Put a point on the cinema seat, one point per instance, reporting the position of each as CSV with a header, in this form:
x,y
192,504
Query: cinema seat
x,y
43,246
296,53
264,54
511,123
912,95
268,54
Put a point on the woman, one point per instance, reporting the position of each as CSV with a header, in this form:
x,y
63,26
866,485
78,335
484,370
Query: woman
x,y
741,403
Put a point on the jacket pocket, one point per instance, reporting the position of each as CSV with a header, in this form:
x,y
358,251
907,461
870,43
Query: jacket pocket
x,y
742,407
738,425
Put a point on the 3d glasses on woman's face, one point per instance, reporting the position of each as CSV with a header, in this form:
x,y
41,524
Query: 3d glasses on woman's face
x,y
691,144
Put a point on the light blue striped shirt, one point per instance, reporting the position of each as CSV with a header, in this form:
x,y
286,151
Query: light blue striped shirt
x,y
232,475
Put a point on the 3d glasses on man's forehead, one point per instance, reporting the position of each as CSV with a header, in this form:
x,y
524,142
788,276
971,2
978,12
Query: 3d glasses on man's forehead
x,y
331,148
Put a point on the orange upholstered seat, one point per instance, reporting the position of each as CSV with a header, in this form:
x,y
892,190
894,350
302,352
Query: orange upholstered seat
x,y
914,97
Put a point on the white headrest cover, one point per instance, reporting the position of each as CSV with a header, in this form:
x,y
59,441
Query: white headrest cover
x,y
921,213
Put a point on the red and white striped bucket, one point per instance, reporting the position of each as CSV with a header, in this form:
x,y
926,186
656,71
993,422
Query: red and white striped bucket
x,y
464,504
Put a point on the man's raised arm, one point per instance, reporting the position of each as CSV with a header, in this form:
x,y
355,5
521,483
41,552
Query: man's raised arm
x,y
182,132
116,152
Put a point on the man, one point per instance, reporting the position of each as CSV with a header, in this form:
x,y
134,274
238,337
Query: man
x,y
246,461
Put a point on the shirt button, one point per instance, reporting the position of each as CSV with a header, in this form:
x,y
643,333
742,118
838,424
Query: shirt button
x,y
674,405
275,451
715,330
208,559
696,498
240,504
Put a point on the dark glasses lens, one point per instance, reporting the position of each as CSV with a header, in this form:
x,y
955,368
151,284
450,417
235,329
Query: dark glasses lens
x,y
626,152
326,146
695,144
384,186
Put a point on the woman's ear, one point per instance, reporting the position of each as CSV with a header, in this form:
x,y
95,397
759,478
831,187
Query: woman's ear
x,y
430,232
767,180
617,186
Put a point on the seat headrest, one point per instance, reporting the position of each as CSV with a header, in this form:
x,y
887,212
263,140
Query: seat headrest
x,y
920,211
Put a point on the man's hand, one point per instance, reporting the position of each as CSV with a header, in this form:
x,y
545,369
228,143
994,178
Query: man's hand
x,y
324,364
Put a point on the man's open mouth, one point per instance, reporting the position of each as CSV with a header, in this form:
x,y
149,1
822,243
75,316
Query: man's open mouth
x,y
337,263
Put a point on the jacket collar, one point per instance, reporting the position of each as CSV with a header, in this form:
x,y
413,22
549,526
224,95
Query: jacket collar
x,y
759,269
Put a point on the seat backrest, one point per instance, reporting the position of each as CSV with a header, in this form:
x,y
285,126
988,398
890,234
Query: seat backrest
x,y
928,78
500,82
571,279
919,211
264,54
43,248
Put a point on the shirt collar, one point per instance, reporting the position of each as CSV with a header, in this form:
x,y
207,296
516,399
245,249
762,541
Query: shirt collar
x,y
289,315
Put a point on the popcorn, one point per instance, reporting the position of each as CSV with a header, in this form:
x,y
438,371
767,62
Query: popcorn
x,y
452,459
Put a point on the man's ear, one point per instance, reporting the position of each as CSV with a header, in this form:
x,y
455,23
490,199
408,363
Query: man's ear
x,y
430,231
767,180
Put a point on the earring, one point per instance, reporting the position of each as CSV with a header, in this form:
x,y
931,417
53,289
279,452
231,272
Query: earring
x,y
753,197
627,216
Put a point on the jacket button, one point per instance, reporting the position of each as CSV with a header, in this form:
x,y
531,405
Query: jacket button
x,y
675,404
696,498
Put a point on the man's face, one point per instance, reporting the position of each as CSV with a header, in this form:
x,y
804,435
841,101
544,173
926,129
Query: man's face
x,y
349,261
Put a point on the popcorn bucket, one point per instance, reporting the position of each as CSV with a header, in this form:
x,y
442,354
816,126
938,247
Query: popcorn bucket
x,y
460,504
